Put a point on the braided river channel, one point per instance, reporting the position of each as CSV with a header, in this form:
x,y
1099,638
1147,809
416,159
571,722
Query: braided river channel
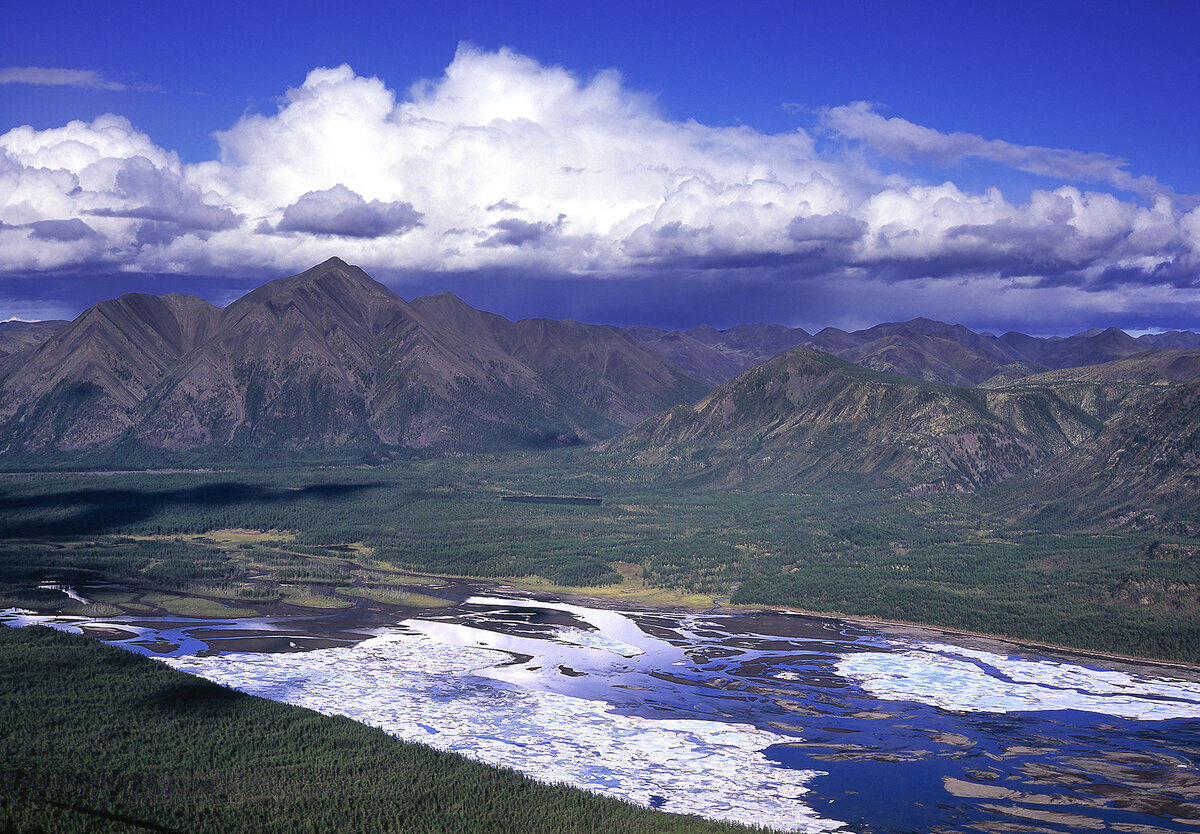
x,y
788,721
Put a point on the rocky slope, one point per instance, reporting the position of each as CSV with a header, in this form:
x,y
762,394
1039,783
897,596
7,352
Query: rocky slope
x,y
17,336
1142,464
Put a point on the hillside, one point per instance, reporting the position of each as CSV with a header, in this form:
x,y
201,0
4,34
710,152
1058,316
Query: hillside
x,y
98,739
1142,466
1109,445
807,416
79,388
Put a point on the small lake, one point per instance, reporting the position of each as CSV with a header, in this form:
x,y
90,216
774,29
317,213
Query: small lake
x,y
789,721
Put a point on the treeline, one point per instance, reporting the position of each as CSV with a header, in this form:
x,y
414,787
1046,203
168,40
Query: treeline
x,y
97,740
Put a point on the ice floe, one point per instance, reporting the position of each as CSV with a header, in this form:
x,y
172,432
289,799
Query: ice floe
x,y
969,680
612,630
418,687
65,589
21,617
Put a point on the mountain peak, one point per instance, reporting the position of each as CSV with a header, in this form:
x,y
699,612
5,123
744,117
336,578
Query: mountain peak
x,y
333,265
332,279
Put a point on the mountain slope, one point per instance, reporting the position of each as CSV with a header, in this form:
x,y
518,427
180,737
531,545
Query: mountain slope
x,y
810,417
17,336
1142,465
1141,469
1110,444
332,359
80,387
602,366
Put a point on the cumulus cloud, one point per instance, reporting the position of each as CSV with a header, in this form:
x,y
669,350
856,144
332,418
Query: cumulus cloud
x,y
339,211
143,191
98,191
503,163
58,77
826,227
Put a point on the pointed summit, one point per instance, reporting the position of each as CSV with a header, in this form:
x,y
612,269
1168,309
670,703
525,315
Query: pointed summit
x,y
333,275
332,293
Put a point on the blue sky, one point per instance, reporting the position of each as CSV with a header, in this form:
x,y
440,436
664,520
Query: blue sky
x,y
1006,165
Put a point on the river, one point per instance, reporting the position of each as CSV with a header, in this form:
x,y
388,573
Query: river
x,y
788,721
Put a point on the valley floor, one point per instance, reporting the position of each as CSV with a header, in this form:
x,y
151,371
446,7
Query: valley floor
x,y
299,538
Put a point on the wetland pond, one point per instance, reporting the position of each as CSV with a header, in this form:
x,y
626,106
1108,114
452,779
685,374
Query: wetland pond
x,y
788,721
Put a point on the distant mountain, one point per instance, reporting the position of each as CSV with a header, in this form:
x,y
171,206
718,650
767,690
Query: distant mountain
x,y
921,348
925,349
331,362
16,336
808,417
1174,339
1090,348
717,356
690,355
327,359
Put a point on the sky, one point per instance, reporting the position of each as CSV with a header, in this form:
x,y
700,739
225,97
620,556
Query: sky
x,y
1008,166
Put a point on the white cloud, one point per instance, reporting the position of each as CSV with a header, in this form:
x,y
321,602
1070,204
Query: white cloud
x,y
58,77
104,176
504,162
901,139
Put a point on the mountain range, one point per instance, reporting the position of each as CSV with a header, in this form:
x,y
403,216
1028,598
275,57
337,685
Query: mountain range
x,y
920,348
327,359
330,361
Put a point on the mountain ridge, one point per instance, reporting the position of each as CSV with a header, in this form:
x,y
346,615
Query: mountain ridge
x,y
920,347
811,417
328,358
